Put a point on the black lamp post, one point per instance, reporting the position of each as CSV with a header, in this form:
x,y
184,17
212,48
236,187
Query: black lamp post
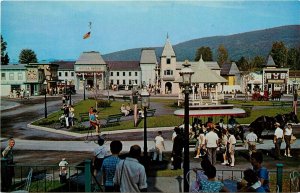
x,y
45,85
70,96
186,74
84,85
145,104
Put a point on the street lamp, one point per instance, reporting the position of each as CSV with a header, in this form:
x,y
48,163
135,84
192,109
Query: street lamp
x,y
45,85
70,95
145,103
84,85
186,73
135,102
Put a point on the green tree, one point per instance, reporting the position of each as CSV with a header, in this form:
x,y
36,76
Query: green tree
x,y
258,62
222,55
242,64
293,58
4,55
279,54
27,56
205,52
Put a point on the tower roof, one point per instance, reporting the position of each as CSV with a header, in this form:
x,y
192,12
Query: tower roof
x,y
90,58
270,62
148,56
168,49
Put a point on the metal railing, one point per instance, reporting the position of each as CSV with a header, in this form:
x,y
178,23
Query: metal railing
x,y
46,178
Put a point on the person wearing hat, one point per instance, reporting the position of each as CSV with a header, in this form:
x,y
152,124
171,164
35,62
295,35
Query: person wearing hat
x,y
251,141
63,172
278,135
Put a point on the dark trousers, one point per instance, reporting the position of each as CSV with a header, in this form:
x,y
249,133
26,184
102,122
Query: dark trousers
x,y
277,148
109,189
287,139
212,153
177,159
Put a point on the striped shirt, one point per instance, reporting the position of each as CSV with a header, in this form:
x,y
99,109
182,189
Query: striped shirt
x,y
251,137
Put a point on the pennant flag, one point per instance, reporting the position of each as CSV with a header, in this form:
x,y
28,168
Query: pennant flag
x,y
87,35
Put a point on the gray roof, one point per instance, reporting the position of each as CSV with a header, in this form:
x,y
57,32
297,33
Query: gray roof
x,y
124,65
210,64
202,74
148,56
14,67
168,49
270,61
90,58
229,69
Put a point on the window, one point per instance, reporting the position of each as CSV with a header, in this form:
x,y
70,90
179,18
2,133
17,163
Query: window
x,y
135,73
124,74
3,77
135,81
118,73
129,73
124,82
72,73
129,82
11,76
111,81
118,81
111,73
59,74
168,72
66,73
20,76
168,60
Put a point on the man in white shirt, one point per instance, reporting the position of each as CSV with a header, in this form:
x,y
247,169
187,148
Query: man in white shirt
x,y
278,135
159,146
130,175
211,142
251,141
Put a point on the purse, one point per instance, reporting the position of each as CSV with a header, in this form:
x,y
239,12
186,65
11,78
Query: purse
x,y
293,139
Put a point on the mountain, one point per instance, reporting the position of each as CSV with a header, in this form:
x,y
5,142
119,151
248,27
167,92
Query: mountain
x,y
248,44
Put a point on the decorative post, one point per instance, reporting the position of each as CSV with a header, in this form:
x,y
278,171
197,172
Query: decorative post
x,y
45,85
145,104
87,173
186,74
279,177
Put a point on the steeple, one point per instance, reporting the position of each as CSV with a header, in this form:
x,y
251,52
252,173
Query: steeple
x,y
168,49
270,62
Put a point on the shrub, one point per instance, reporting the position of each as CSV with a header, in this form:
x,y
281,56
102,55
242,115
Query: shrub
x,y
46,122
103,103
79,127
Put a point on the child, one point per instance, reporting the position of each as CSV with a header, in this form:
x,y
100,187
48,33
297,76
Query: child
x,y
159,146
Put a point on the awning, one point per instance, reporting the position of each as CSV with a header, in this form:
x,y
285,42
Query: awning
x,y
211,112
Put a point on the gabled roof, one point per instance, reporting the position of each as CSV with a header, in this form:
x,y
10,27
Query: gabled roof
x,y
148,56
210,64
65,65
270,62
123,65
90,58
202,74
229,69
168,49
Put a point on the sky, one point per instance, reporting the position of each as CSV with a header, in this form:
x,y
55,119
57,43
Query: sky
x,y
55,29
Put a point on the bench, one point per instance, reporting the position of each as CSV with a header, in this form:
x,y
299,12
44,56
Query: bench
x,y
111,97
150,113
126,98
112,120
84,117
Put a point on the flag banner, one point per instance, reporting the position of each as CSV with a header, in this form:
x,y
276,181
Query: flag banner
x,y
87,35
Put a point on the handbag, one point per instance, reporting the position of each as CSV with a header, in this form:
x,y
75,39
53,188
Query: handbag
x,y
293,139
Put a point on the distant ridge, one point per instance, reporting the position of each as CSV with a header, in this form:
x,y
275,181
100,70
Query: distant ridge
x,y
248,44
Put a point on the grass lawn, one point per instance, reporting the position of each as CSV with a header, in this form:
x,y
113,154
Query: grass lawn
x,y
163,120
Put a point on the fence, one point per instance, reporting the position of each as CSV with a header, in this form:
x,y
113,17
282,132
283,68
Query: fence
x,y
47,178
